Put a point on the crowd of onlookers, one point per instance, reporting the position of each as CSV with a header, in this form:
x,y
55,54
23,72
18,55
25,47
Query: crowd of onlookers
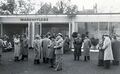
x,y
50,48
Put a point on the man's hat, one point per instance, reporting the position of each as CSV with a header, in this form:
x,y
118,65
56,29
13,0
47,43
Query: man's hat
x,y
59,34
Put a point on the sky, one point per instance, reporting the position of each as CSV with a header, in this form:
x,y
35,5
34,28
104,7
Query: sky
x,y
104,6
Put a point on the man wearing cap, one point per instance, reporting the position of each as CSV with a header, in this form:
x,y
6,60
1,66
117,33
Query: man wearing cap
x,y
59,52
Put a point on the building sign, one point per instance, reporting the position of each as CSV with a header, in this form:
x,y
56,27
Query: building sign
x,y
33,19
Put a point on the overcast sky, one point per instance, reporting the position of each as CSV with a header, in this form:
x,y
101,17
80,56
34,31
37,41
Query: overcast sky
x,y
103,5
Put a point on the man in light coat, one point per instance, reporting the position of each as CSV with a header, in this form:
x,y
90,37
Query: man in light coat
x,y
37,49
108,55
45,43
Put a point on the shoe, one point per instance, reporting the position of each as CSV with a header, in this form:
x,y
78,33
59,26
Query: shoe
x,y
51,66
58,69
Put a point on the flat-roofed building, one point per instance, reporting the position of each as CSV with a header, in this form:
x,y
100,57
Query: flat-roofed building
x,y
95,24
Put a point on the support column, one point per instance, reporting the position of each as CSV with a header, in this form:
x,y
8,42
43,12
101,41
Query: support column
x,y
31,33
70,29
40,29
1,29
73,27
109,28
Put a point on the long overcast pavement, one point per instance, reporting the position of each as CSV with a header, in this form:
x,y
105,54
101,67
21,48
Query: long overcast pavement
x,y
8,66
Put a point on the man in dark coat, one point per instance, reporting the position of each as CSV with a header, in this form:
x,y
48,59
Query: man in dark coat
x,y
116,50
66,46
77,47
24,47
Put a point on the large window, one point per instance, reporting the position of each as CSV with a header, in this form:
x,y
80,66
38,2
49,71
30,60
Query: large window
x,y
55,28
103,26
91,27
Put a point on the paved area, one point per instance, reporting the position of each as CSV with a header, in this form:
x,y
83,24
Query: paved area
x,y
8,66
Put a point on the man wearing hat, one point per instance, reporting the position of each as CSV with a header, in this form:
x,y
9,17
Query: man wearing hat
x,y
59,52
37,47
45,43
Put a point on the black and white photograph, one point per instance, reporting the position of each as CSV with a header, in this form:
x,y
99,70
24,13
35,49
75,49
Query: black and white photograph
x,y
59,36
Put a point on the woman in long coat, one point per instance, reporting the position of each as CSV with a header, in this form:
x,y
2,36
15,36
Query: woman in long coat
x,y
86,48
108,55
77,46
116,50
59,52
17,48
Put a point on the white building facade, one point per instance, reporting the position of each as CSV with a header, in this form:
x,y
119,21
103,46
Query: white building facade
x,y
96,24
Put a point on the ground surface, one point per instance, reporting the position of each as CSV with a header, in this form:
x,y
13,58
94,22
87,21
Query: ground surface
x,y
8,66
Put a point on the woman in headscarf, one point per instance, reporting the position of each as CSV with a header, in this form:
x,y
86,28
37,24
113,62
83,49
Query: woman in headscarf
x,y
86,48
108,55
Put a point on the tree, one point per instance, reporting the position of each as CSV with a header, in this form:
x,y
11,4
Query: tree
x,y
5,9
63,7
44,9
24,7
60,7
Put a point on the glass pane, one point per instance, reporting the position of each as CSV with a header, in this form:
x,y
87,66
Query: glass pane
x,y
103,26
55,28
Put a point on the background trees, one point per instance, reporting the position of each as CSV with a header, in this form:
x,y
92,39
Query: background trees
x,y
27,7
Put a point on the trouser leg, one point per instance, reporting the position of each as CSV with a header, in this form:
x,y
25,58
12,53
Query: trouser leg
x,y
85,58
115,62
107,64
100,63
75,57
78,57
58,62
88,57
43,59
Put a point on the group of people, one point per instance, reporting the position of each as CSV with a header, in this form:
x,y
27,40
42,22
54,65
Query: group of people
x,y
20,47
50,50
109,49
81,42
108,46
